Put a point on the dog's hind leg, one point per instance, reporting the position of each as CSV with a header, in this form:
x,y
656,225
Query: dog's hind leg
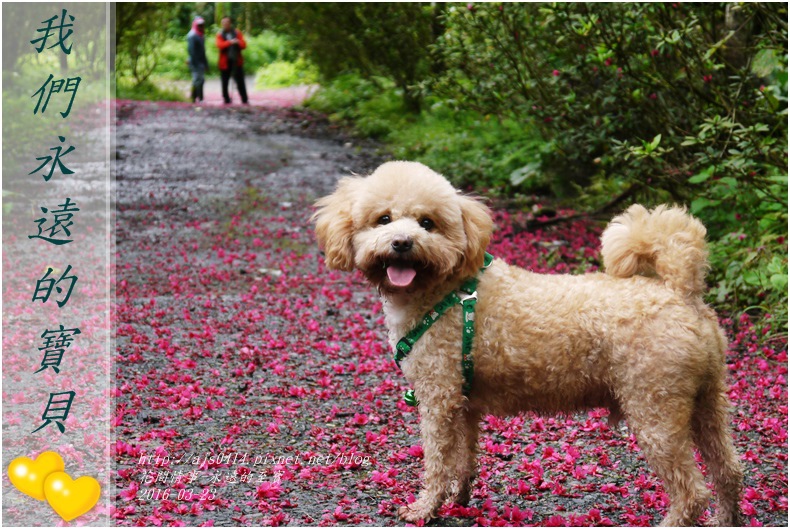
x,y
664,435
712,435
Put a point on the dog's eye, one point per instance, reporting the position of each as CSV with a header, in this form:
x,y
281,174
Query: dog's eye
x,y
427,224
384,219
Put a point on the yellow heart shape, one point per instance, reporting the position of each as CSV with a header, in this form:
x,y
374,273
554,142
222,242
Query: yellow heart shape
x,y
28,476
71,497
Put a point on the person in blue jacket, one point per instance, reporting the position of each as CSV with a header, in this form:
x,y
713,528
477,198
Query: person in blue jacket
x,y
196,48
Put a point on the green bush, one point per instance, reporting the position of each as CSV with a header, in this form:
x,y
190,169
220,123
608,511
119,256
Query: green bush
x,y
747,229
367,102
146,91
281,74
341,96
607,104
474,151
168,57
268,47
603,82
172,59
654,102
387,39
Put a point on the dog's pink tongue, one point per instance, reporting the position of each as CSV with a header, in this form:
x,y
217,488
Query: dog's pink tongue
x,y
401,276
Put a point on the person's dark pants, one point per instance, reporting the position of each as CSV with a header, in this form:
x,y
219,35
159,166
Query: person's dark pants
x,y
198,79
238,75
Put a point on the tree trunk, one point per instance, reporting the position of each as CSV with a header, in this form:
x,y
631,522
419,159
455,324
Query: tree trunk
x,y
437,30
411,101
247,18
736,20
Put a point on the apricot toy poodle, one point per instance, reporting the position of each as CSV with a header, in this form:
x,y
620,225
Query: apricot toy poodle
x,y
637,339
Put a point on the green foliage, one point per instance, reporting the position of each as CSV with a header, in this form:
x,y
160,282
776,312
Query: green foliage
x,y
171,62
8,202
146,91
373,105
173,20
747,229
374,39
602,104
474,151
21,20
169,57
339,96
139,34
679,102
603,82
24,129
281,74
21,127
262,49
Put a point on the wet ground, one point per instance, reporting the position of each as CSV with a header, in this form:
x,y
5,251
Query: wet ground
x,y
254,387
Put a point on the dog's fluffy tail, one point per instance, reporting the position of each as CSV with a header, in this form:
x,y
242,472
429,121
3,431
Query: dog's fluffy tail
x,y
667,242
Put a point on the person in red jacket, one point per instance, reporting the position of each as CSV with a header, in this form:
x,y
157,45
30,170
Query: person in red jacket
x,y
230,42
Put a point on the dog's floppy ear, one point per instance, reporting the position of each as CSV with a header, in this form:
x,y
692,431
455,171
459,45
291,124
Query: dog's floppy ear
x,y
478,227
334,226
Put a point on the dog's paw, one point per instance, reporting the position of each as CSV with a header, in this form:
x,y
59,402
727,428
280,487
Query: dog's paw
x,y
414,512
462,498
723,520
460,492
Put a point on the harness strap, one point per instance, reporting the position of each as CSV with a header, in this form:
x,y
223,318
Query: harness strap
x,y
468,300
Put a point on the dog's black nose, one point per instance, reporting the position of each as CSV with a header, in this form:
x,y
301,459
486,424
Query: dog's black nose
x,y
401,243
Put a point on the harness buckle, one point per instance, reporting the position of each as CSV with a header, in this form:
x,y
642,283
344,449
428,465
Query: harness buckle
x,y
463,297
402,348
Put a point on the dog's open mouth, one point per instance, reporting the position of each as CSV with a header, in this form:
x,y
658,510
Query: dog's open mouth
x,y
401,273
394,273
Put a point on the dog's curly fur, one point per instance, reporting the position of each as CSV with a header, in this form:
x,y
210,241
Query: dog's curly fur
x,y
637,339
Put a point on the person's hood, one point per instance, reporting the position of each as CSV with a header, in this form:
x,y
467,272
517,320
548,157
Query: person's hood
x,y
195,23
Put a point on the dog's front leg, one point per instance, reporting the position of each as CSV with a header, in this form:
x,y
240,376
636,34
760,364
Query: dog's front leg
x,y
441,423
466,464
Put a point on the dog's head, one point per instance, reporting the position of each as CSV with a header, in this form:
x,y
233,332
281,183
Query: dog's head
x,y
404,226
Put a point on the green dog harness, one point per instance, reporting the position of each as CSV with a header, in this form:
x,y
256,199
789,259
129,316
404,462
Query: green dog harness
x,y
468,299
